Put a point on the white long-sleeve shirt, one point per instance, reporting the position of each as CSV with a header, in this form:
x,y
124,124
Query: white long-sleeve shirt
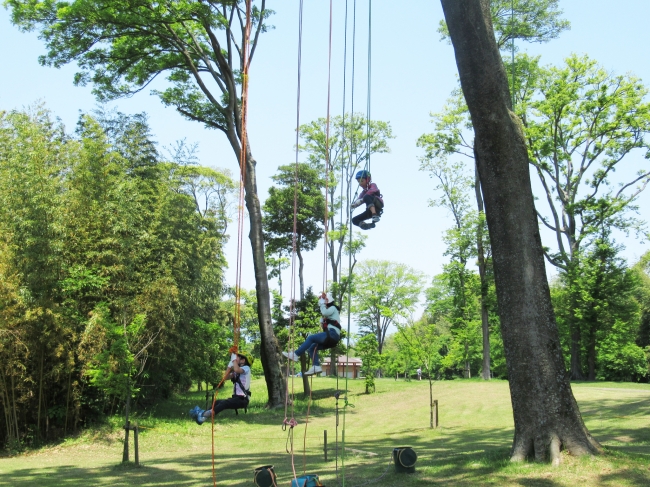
x,y
330,313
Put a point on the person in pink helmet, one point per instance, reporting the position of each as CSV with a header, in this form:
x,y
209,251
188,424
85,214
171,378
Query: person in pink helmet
x,y
371,196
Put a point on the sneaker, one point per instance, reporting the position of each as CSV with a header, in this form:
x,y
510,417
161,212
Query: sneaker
x,y
200,419
291,356
366,226
314,369
375,219
194,412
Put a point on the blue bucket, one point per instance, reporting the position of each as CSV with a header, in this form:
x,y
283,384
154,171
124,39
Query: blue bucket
x,y
306,481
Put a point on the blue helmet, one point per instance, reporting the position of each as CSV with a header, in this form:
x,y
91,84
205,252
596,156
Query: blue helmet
x,y
363,174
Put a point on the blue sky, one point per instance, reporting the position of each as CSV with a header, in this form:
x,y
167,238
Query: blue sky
x,y
413,74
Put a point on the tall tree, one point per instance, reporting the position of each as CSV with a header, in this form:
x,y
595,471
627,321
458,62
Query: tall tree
x,y
353,139
299,187
642,270
371,360
122,46
598,295
545,412
34,155
468,236
384,293
581,124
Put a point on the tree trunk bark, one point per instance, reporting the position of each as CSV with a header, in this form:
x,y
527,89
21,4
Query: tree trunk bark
x,y
67,404
546,415
40,396
576,340
127,408
270,349
482,272
305,378
301,267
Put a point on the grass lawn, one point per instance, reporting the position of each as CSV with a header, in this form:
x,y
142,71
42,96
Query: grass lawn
x,y
470,447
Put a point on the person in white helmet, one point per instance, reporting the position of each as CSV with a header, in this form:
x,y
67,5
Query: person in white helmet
x,y
328,338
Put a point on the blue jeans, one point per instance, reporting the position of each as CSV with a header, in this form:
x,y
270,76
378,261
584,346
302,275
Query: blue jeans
x,y
315,342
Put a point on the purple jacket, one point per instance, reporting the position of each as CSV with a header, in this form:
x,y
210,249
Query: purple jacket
x,y
372,190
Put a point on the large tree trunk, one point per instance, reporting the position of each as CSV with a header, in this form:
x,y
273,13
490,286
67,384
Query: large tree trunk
x,y
482,272
546,415
301,268
270,349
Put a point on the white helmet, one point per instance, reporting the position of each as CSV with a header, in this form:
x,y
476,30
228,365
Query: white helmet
x,y
329,298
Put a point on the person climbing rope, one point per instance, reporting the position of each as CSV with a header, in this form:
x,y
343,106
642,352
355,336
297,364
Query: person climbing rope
x,y
239,370
371,196
328,338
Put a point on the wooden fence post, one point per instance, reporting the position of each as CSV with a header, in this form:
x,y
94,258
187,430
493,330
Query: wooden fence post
x,y
135,445
125,453
435,403
325,443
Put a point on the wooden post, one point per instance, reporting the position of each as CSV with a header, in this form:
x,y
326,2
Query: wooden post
x,y
125,453
435,403
135,445
325,443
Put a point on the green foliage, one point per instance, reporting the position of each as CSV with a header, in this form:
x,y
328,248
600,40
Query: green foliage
x,y
597,297
366,347
526,20
353,139
601,118
307,320
121,46
112,276
384,293
299,187
424,344
581,123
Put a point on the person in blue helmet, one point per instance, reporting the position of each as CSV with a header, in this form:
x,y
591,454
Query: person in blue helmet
x,y
371,196
239,371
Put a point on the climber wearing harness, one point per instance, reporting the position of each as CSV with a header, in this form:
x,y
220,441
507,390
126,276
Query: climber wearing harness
x,y
371,196
328,338
240,374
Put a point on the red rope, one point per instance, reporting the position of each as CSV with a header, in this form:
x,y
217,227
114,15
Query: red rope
x,y
243,160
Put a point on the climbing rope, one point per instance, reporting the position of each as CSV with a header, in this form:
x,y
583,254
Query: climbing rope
x,y
346,403
325,222
290,422
243,160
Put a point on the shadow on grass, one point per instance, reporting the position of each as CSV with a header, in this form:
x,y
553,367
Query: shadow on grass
x,y
177,408
461,458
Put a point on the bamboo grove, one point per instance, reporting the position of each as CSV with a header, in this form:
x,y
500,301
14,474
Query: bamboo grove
x,y
111,271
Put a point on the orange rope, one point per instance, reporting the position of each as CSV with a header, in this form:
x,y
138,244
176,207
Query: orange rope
x,y
243,160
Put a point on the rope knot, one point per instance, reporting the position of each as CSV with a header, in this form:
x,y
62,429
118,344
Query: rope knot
x,y
290,422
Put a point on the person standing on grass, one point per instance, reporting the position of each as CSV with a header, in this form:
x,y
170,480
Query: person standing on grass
x,y
328,338
419,373
239,370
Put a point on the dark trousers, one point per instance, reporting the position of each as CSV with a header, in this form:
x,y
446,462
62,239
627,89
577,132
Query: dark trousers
x,y
369,200
235,402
